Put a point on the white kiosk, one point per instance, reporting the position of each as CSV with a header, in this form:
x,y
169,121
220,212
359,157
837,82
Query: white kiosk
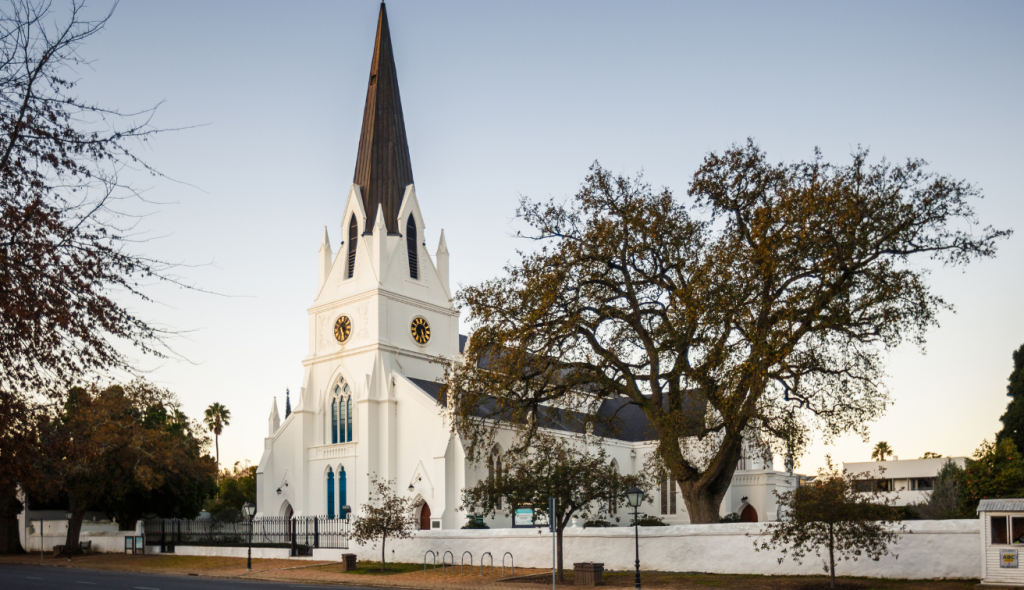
x,y
1002,541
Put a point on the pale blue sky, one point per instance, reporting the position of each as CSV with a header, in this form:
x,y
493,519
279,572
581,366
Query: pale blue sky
x,y
518,98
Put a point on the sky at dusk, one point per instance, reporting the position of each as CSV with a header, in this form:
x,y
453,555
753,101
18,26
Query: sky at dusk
x,y
503,100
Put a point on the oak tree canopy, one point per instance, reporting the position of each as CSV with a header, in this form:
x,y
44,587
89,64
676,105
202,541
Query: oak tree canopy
x,y
757,308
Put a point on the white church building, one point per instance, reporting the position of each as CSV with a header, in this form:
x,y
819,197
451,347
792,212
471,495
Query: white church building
x,y
381,317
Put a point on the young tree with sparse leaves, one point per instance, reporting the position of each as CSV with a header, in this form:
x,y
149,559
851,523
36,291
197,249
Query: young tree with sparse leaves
x,y
754,312
387,516
582,482
831,516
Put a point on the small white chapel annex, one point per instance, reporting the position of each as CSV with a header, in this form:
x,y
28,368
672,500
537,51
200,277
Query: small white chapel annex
x,y
381,315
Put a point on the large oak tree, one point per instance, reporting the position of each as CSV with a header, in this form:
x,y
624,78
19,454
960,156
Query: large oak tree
x,y
753,311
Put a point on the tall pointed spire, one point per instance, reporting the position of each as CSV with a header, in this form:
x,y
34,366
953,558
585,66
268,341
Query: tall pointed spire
x,y
383,167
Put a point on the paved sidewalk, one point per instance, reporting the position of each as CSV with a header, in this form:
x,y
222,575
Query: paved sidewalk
x,y
329,573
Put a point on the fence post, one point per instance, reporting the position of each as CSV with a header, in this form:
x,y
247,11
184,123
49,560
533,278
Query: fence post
x,y
179,530
293,526
316,533
163,527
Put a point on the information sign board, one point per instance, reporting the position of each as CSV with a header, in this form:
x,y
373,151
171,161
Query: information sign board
x,y
1008,558
523,517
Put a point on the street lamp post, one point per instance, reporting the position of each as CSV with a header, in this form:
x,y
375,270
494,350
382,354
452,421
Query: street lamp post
x,y
67,549
635,496
249,509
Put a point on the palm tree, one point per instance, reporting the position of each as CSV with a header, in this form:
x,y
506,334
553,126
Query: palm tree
x,y
217,417
881,451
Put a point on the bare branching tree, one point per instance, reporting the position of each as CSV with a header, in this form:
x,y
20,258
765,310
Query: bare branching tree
x,y
67,268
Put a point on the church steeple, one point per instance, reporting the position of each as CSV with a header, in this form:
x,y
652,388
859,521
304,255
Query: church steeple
x,y
383,167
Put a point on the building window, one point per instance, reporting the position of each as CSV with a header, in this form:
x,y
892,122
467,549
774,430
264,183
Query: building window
x,y
330,493
353,237
668,495
341,413
613,501
343,495
922,484
1016,530
334,421
410,244
494,471
999,536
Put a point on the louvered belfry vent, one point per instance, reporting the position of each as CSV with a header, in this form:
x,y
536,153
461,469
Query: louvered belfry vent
x,y
410,244
353,237
383,167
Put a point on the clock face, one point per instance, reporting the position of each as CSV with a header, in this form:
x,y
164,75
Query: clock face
x,y
342,328
420,330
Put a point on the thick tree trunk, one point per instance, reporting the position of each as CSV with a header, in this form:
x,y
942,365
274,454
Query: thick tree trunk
x,y
383,542
561,570
10,508
74,531
831,556
704,493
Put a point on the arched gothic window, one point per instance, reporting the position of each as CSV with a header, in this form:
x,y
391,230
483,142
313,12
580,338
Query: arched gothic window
x,y
330,493
341,413
353,237
494,470
613,501
410,244
668,495
343,495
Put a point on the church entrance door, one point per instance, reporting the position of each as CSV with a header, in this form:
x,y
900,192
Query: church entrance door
x,y
749,514
425,517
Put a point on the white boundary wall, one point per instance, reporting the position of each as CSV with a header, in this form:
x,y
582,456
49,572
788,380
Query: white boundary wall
x,y
930,549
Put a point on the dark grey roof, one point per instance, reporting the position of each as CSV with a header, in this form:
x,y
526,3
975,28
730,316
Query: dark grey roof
x,y
431,387
618,418
462,343
1005,505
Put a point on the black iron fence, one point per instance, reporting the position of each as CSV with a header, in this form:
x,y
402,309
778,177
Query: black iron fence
x,y
301,535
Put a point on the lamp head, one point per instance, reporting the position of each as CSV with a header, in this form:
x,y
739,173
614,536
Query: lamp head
x,y
249,509
412,488
634,496
69,514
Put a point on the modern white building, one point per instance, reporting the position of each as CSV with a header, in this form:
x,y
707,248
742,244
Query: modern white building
x,y
908,482
381,318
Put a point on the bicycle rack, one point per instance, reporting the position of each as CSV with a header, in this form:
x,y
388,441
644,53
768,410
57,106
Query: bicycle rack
x,y
447,553
434,555
462,563
482,563
503,564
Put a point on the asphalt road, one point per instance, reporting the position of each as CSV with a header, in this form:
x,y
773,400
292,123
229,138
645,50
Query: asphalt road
x,y
25,577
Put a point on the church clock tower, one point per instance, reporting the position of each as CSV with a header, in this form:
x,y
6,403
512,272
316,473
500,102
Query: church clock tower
x,y
381,319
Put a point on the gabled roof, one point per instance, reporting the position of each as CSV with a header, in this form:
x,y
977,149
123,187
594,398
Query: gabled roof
x,y
1004,505
383,166
619,419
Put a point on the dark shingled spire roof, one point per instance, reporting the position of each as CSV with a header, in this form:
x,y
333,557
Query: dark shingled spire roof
x,y
383,167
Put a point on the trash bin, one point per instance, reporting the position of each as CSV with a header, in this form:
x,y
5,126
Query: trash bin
x,y
589,574
348,562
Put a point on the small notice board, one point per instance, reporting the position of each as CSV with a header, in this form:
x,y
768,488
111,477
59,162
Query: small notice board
x,y
1008,558
526,516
